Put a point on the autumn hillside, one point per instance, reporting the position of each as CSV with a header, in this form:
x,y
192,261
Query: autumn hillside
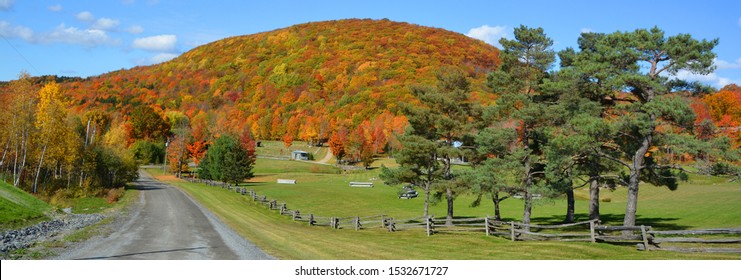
x,y
308,77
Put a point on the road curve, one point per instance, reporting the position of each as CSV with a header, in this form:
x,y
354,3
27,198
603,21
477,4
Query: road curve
x,y
166,224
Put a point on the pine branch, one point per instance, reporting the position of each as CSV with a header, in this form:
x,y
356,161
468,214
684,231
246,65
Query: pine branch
x,y
603,155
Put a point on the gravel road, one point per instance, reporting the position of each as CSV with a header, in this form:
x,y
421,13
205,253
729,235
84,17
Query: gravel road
x,y
166,224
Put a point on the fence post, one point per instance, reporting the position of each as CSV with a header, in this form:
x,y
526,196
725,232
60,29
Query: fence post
x,y
283,209
335,223
296,215
430,225
512,230
645,238
486,225
357,223
591,231
311,219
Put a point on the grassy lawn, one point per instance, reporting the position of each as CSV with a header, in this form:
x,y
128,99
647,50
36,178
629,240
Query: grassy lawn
x,y
19,209
701,203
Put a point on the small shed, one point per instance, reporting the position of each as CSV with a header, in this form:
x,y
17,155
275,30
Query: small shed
x,y
299,155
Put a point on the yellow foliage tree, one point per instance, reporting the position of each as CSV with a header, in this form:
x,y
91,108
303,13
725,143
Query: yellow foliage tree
x,y
51,115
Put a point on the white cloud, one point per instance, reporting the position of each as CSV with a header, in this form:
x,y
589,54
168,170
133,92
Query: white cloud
x,y
722,64
162,57
159,43
55,8
75,36
61,34
6,5
586,30
105,24
711,79
158,58
488,34
135,29
85,16
15,31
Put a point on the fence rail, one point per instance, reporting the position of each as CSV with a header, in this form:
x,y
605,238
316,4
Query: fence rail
x,y
644,237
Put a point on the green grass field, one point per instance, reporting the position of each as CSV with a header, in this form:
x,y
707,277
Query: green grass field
x,y
18,208
704,202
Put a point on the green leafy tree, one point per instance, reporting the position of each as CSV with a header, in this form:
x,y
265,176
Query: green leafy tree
x,y
581,128
494,174
446,116
520,118
147,151
626,68
227,161
418,165
147,124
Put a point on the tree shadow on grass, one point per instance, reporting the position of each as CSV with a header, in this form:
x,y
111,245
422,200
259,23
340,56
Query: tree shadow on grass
x,y
251,184
615,219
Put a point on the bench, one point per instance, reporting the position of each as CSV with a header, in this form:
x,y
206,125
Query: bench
x,y
361,184
286,181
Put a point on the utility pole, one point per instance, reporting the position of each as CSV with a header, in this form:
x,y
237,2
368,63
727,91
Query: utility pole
x,y
164,166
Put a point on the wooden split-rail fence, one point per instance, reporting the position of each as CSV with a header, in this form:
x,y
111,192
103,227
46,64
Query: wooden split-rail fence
x,y
644,237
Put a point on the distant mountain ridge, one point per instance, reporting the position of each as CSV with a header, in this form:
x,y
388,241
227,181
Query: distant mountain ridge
x,y
333,73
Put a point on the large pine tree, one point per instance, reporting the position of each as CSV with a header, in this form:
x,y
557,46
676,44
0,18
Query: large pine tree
x,y
629,73
518,120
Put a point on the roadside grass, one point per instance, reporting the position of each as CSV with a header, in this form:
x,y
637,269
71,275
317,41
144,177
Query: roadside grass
x,y
19,209
704,202
88,232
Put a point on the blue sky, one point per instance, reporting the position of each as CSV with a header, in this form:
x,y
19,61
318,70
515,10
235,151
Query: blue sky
x,y
88,38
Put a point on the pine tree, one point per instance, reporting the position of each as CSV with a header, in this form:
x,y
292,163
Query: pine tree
x,y
446,116
227,161
518,122
627,73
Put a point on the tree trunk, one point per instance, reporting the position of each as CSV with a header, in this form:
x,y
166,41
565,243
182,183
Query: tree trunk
x,y
495,199
569,206
38,169
594,198
528,195
635,172
5,152
21,167
15,161
449,195
448,191
427,200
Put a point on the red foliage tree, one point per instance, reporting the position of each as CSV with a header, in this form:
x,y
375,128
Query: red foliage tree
x,y
337,143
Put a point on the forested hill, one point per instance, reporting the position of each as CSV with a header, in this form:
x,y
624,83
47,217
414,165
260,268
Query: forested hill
x,y
320,74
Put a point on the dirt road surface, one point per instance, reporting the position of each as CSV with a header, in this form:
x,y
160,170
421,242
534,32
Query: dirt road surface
x,y
166,224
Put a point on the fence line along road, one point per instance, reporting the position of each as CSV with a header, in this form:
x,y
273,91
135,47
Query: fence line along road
x,y
643,237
